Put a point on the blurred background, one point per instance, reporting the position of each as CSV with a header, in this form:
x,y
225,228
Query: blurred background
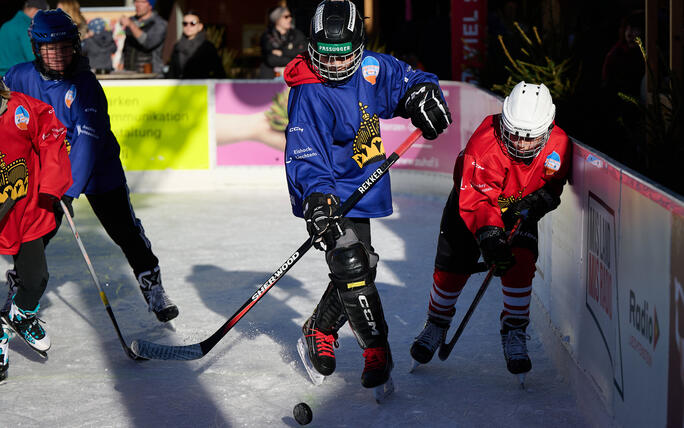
x,y
614,67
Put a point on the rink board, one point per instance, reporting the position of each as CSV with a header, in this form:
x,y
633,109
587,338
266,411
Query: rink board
x,y
607,272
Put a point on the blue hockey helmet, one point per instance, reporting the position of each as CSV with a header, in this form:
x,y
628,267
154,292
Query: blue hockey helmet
x,y
54,26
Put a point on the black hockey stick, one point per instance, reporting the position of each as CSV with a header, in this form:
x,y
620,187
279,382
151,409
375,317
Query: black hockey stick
x,y
156,351
6,207
103,296
446,348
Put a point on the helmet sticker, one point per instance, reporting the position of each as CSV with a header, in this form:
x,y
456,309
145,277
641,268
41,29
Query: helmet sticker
x,y
21,118
352,17
552,163
70,96
370,67
318,18
335,48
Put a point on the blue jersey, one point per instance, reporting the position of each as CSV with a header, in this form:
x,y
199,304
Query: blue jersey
x,y
81,105
333,138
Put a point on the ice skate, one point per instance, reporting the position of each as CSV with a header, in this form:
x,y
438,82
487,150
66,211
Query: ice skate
x,y
12,284
428,341
155,296
514,343
27,326
4,351
316,350
378,366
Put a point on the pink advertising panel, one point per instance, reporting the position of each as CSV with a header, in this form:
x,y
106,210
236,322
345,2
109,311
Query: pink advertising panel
x,y
250,119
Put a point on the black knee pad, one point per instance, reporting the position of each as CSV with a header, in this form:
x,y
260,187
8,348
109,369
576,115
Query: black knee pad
x,y
350,266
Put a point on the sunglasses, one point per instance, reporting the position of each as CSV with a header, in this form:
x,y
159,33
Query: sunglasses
x,y
193,23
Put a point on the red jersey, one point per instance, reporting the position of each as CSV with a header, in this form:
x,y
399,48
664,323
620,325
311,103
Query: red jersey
x,y
488,180
33,160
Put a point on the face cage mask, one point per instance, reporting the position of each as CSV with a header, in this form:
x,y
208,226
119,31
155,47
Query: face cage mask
x,y
329,71
511,140
56,74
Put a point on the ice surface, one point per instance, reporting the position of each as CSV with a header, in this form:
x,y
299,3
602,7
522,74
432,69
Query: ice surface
x,y
215,248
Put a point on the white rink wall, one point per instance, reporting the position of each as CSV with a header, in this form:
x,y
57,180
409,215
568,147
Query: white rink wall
x,y
610,273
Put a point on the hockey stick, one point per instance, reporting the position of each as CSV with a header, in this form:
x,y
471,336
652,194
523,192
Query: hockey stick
x,y
446,348
157,351
6,207
103,296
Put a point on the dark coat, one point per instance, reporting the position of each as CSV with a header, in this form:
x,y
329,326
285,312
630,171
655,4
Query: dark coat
x,y
195,59
291,44
99,49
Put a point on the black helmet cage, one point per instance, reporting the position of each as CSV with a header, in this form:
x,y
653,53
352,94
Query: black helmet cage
x,y
336,40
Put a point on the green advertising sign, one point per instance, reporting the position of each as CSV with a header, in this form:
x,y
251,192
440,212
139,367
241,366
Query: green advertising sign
x,y
160,127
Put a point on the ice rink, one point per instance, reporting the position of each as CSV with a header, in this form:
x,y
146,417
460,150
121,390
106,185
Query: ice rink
x,y
215,248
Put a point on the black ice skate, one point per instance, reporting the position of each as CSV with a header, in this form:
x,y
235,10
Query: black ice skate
x,y
12,284
377,371
318,348
156,298
27,326
514,343
429,340
4,351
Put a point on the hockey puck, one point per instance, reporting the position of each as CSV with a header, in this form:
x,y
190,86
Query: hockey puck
x,y
302,413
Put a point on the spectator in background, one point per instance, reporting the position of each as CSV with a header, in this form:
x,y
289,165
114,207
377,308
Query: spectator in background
x,y
99,46
145,33
73,9
194,57
280,43
14,39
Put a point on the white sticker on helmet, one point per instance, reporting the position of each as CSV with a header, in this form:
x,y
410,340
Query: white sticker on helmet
x,y
318,18
352,17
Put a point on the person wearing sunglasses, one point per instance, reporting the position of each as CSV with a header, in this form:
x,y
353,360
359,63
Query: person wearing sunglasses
x,y
194,57
280,43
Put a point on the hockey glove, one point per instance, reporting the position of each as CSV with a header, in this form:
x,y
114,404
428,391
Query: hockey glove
x,y
495,250
320,223
531,208
428,111
67,201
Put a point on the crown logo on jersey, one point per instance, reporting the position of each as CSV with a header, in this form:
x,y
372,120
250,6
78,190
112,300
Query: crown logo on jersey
x,y
13,179
368,146
505,203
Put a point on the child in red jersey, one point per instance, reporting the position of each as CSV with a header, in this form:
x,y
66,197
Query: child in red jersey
x,y
515,164
34,174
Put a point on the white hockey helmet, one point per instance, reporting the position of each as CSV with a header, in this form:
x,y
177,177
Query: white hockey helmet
x,y
527,119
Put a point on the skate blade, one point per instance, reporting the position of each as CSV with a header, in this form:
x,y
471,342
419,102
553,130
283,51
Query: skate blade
x,y
170,325
414,366
383,391
316,378
521,379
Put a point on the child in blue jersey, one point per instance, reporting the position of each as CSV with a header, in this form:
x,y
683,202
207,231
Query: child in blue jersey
x,y
61,77
339,93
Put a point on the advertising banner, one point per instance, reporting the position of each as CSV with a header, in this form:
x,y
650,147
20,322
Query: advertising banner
x,y
250,121
161,126
468,38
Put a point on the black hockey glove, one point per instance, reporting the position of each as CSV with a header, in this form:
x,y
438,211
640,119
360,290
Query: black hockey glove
x,y
320,223
495,250
428,111
67,201
531,208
